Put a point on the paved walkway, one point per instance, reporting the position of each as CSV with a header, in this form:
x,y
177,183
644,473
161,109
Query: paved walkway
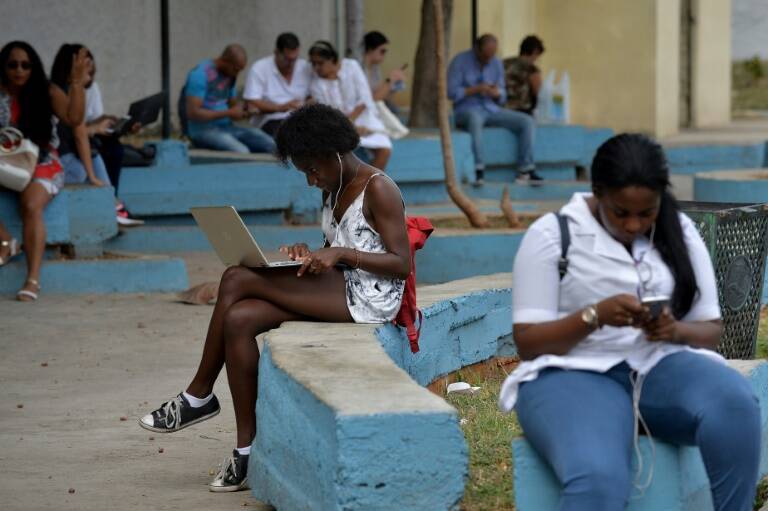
x,y
78,365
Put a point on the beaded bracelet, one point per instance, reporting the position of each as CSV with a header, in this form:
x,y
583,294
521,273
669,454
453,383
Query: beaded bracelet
x,y
357,258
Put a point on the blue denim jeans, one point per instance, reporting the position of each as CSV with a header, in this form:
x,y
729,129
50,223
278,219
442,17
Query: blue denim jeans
x,y
520,124
238,139
74,172
582,423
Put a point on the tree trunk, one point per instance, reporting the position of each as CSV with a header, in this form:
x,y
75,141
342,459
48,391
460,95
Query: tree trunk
x,y
423,100
476,217
354,18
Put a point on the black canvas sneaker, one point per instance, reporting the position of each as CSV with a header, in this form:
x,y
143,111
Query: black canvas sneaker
x,y
177,414
530,178
233,474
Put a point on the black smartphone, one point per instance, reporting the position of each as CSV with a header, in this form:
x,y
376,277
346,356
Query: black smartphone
x,y
655,304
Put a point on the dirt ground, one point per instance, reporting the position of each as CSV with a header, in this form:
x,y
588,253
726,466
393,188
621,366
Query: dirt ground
x,y
76,373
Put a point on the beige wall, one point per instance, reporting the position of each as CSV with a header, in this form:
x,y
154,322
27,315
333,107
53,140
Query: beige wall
x,y
712,63
623,56
667,72
608,48
124,35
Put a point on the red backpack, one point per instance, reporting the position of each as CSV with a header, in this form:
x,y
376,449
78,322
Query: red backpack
x,y
419,228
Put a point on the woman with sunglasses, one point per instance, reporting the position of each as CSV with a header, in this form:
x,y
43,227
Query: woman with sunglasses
x,y
29,102
357,276
597,361
341,84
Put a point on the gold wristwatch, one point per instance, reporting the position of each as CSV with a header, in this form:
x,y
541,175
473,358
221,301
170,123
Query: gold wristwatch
x,y
589,316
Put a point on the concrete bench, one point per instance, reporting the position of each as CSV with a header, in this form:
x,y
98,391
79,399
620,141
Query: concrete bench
x,y
81,216
262,189
345,423
341,426
268,193
690,159
679,480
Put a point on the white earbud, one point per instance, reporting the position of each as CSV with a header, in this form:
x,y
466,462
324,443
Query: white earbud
x,y
341,170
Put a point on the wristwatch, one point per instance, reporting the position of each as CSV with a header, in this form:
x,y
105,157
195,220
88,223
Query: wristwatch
x,y
589,316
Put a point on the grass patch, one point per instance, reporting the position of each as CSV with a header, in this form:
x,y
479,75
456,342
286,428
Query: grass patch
x,y
750,85
489,436
761,351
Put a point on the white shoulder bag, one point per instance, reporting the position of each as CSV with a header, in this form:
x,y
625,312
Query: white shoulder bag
x,y
18,158
395,128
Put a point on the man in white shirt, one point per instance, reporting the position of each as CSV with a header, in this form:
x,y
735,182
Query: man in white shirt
x,y
278,84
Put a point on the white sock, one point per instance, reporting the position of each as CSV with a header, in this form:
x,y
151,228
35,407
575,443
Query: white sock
x,y
244,451
196,402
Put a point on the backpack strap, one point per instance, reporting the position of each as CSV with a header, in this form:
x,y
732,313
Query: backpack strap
x,y
565,242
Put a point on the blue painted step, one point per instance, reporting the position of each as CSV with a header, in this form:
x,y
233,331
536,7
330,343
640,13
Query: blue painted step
x,y
248,186
80,276
549,171
550,190
169,239
83,216
699,158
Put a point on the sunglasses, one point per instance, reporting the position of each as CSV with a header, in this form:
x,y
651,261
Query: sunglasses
x,y
19,64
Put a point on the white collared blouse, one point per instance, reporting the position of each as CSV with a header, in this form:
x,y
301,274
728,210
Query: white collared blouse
x,y
264,82
598,267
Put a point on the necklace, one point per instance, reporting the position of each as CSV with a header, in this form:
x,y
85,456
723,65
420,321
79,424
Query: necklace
x,y
340,195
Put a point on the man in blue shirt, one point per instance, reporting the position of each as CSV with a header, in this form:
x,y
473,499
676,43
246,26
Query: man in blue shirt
x,y
211,106
476,87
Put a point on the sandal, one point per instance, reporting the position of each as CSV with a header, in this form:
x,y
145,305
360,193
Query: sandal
x,y
25,295
13,247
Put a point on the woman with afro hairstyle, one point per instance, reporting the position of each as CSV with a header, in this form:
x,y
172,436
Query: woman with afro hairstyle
x,y
358,275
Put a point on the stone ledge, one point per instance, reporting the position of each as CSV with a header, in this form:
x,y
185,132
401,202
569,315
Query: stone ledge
x,y
341,426
81,215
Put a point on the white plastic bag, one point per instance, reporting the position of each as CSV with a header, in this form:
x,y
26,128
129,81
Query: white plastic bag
x,y
554,100
18,158
395,128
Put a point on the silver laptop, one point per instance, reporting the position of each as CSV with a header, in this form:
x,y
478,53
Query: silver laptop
x,y
231,239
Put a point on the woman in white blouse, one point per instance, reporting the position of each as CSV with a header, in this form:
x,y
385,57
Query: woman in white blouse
x,y
342,84
596,362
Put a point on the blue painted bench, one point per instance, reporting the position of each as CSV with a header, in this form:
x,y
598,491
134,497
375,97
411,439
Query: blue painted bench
x,y
261,190
690,159
81,216
267,192
126,274
341,426
345,423
679,480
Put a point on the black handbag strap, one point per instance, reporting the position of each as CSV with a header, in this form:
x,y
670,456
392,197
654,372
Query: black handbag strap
x,y
565,242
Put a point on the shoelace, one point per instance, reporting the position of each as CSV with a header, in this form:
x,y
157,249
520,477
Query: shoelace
x,y
172,411
228,465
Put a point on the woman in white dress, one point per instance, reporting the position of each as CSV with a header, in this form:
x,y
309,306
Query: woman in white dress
x,y
342,84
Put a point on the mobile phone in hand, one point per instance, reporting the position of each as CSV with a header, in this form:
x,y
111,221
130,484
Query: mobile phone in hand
x,y
655,304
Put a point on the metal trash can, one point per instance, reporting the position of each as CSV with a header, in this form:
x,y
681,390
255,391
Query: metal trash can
x,y
737,238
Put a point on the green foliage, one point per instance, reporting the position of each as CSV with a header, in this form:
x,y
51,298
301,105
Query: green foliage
x,y
749,84
754,67
762,335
